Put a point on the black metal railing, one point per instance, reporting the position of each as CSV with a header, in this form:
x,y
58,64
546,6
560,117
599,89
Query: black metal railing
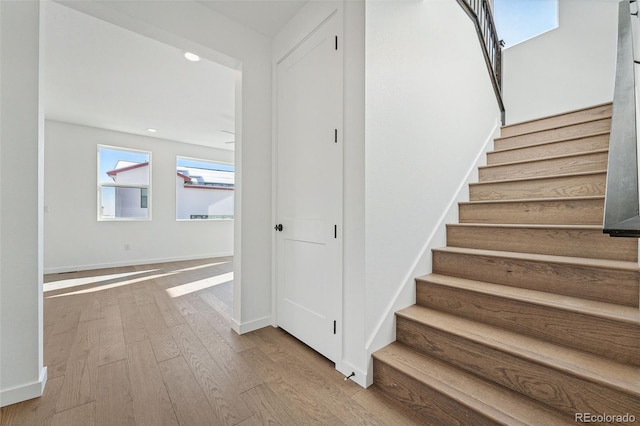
x,y
621,211
480,13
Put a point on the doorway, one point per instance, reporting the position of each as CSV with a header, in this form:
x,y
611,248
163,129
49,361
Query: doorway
x,y
309,168
106,86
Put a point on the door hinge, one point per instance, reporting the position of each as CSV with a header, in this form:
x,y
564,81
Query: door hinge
x,y
335,231
336,42
334,327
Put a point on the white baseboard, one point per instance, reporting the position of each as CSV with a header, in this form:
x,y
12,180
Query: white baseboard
x,y
24,392
135,262
249,326
360,377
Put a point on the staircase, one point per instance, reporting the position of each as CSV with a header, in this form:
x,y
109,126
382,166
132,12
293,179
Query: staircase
x,y
531,315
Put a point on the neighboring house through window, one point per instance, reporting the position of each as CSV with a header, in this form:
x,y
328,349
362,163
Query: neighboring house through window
x,y
123,184
204,189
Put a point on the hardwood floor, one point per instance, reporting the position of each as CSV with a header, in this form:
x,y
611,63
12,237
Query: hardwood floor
x,y
152,345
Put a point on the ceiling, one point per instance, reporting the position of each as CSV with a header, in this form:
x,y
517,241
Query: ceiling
x,y
101,75
264,16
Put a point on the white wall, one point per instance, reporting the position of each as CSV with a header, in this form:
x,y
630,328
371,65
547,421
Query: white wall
x,y
568,68
191,26
354,355
22,375
76,240
430,114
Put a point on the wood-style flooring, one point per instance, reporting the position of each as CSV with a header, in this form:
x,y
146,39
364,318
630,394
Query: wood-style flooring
x,y
152,345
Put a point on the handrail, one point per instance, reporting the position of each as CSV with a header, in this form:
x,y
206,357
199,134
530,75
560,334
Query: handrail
x,y
480,13
621,212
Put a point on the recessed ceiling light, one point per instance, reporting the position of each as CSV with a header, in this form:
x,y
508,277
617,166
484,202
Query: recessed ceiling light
x,y
150,130
192,57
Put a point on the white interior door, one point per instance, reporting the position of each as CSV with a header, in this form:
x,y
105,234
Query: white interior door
x,y
309,191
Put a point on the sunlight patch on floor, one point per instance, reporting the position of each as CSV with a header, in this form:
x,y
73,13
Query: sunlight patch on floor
x,y
187,288
75,282
82,281
114,285
194,268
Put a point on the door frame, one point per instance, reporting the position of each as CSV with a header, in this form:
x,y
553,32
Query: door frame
x,y
329,10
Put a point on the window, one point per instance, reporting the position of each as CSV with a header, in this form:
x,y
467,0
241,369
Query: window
x,y
123,184
144,197
204,189
519,20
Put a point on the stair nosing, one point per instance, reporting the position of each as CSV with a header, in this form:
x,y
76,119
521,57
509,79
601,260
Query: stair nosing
x,y
559,140
577,305
575,174
529,351
527,225
462,397
533,200
536,160
554,128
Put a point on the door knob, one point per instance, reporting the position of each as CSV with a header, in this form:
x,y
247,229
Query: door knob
x,y
278,227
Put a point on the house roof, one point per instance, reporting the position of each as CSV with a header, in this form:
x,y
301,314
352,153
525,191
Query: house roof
x,y
124,166
194,176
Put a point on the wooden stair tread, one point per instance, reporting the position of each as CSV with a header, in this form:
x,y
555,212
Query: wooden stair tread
x,y
603,280
559,114
586,241
550,165
555,121
576,209
494,401
552,141
581,123
533,200
541,159
565,260
527,179
562,210
528,225
589,367
609,311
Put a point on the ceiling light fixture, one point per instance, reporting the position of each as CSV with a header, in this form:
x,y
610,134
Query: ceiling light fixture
x,y
192,57
150,130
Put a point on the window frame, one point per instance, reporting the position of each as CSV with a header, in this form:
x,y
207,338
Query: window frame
x,y
101,185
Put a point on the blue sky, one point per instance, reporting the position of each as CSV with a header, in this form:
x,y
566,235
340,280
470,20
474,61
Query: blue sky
x,y
185,162
110,157
519,20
